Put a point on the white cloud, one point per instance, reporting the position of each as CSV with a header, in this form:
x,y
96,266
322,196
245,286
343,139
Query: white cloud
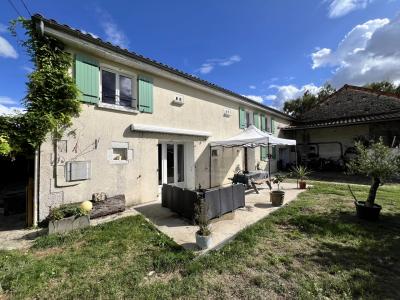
x,y
113,34
6,49
4,110
3,28
88,32
7,100
211,63
319,57
289,92
270,97
255,98
206,68
252,87
283,93
369,52
27,69
339,8
228,61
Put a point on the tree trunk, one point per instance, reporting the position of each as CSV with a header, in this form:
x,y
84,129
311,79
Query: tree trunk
x,y
372,192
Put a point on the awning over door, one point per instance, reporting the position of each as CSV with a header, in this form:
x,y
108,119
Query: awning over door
x,y
169,130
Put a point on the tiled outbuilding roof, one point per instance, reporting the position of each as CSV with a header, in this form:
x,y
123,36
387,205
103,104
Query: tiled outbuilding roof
x,y
351,105
97,41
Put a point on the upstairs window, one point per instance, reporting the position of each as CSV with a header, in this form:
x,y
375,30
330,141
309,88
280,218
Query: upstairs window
x,y
117,89
249,118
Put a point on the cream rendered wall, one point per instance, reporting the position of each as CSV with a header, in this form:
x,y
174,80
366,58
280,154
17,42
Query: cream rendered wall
x,y
138,178
345,135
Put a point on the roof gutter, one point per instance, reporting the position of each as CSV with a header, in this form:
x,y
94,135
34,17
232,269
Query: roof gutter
x,y
302,127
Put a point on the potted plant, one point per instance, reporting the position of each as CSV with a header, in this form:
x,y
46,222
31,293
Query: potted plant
x,y
203,235
277,196
301,173
68,217
378,162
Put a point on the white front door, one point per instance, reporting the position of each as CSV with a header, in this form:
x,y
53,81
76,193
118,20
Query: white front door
x,y
171,164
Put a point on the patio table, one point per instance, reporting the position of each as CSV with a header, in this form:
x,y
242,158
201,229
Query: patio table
x,y
248,178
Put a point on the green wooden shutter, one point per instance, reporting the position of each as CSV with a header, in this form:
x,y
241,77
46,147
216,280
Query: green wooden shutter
x,y
272,125
145,86
262,117
256,120
242,118
273,152
87,78
263,153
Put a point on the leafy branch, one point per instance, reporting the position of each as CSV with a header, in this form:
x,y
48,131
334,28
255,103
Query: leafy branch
x,y
52,96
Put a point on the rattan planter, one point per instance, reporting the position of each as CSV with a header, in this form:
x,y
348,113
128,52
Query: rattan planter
x,y
277,197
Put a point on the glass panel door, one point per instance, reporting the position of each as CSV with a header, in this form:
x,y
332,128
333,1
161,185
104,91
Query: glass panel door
x,y
170,163
181,163
160,161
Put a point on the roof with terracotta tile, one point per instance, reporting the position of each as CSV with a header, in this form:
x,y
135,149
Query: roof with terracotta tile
x,y
351,105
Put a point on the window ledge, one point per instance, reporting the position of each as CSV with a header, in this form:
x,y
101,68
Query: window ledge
x,y
118,108
118,162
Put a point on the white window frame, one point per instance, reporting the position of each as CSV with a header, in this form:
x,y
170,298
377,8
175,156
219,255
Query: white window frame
x,y
251,118
119,145
164,178
118,73
268,123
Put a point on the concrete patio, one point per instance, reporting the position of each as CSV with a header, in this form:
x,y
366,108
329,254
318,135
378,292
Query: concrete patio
x,y
223,229
180,230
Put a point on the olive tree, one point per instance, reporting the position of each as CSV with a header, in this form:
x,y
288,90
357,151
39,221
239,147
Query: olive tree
x,y
379,162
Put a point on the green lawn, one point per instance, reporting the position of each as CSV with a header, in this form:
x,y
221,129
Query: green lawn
x,y
313,248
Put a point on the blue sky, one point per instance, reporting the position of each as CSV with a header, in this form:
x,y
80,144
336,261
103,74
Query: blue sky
x,y
268,50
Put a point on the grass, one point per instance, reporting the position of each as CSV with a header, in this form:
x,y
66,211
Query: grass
x,y
313,248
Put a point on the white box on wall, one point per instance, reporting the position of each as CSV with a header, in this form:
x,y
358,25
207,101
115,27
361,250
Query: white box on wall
x,y
227,112
178,100
77,170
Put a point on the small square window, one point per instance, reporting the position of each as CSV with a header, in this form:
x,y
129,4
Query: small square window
x,y
120,154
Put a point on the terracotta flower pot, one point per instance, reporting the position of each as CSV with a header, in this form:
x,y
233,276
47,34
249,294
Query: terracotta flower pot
x,y
302,185
277,197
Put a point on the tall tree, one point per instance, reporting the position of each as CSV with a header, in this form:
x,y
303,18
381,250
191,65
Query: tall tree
x,y
384,86
300,105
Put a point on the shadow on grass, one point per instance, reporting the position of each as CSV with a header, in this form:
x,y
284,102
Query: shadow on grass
x,y
342,177
367,252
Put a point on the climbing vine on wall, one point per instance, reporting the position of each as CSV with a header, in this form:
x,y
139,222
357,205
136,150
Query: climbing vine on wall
x,y
51,101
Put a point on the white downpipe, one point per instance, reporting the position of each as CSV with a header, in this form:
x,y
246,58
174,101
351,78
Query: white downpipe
x,y
35,205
